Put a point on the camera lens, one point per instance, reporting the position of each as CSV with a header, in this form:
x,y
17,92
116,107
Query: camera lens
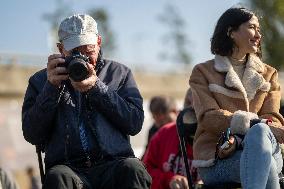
x,y
77,69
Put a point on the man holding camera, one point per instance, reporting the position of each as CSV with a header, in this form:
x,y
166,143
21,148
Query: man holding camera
x,y
83,109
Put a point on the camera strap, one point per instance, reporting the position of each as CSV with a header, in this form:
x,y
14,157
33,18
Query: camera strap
x,y
62,88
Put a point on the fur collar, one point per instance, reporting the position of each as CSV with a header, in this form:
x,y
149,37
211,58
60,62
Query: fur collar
x,y
252,79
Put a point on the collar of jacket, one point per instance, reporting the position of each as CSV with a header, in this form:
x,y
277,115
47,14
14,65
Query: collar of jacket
x,y
252,79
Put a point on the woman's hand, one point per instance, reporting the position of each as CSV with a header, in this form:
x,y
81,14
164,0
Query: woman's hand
x,y
227,150
179,182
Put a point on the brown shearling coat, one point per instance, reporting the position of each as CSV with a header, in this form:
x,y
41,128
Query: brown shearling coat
x,y
222,100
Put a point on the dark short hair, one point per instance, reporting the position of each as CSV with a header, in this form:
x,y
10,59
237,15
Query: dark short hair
x,y
162,104
221,42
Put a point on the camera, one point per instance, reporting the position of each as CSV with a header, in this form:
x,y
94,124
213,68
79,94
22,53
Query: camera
x,y
226,138
76,65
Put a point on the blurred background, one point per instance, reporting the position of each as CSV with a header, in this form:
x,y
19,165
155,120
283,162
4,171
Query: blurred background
x,y
159,40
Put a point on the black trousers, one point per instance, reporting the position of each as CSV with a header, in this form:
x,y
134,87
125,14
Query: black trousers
x,y
126,173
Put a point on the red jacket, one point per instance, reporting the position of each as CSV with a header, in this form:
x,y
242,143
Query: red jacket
x,y
163,159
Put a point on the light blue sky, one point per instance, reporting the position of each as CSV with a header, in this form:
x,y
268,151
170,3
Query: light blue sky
x,y
138,31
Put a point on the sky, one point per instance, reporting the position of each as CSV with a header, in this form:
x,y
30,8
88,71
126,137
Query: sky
x,y
138,32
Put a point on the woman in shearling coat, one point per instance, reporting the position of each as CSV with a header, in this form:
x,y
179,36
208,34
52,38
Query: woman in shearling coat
x,y
231,91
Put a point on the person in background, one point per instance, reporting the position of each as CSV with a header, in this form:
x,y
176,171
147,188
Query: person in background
x,y
238,94
83,108
34,180
163,158
6,181
163,110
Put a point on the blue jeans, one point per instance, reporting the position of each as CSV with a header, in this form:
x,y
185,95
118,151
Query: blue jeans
x,y
256,166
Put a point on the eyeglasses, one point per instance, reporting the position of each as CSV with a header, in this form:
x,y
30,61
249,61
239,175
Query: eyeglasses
x,y
88,50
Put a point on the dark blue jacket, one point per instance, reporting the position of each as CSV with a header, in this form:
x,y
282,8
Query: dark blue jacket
x,y
51,115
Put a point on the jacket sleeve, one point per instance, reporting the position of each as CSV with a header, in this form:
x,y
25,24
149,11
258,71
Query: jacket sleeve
x,y
152,158
123,107
206,108
38,110
271,105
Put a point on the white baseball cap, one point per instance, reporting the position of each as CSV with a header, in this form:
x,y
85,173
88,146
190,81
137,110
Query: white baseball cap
x,y
78,30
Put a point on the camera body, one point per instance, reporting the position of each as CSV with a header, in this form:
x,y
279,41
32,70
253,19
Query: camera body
x,y
76,65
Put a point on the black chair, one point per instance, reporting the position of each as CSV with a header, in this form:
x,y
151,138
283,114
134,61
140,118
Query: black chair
x,y
182,122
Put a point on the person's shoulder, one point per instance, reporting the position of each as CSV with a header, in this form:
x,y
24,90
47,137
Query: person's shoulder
x,y
39,76
261,66
206,64
114,65
113,69
38,79
167,128
204,67
269,68
165,131
153,129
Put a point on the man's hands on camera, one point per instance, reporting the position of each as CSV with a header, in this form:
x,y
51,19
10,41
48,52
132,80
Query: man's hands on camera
x,y
228,148
87,84
179,182
56,74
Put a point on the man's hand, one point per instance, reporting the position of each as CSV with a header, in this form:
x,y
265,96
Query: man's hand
x,y
87,84
179,182
56,74
229,149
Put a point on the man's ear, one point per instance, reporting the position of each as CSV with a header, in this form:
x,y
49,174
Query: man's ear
x,y
60,47
99,40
